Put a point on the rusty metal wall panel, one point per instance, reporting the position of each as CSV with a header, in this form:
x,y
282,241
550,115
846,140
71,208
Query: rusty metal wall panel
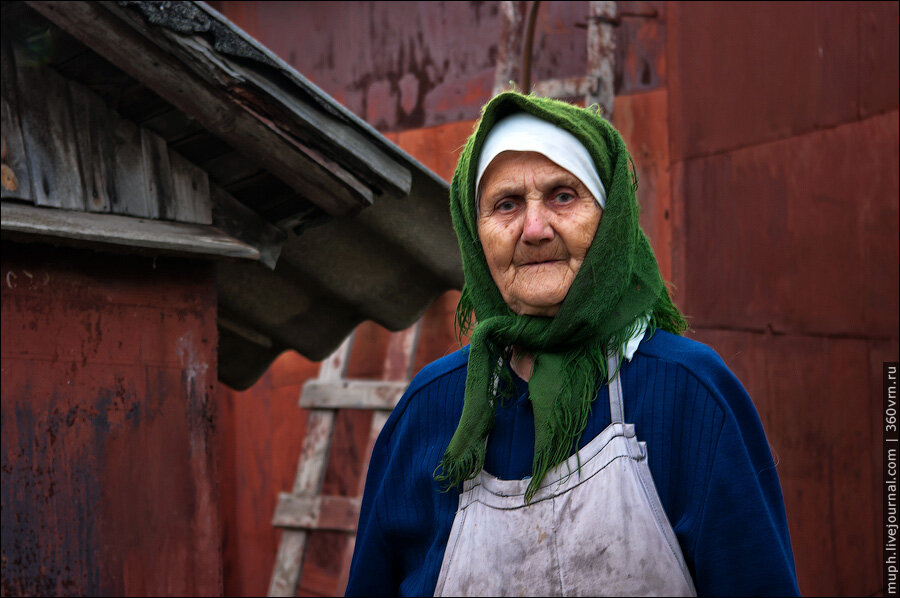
x,y
560,41
642,119
259,437
640,63
798,235
785,245
420,64
821,416
879,62
109,478
757,71
397,65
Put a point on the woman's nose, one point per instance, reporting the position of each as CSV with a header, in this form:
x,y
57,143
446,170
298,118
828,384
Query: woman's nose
x,y
537,226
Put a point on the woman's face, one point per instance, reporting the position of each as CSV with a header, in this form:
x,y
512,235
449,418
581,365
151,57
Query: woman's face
x,y
536,223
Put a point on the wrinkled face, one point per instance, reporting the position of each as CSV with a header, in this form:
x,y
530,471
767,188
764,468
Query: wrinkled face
x,y
536,223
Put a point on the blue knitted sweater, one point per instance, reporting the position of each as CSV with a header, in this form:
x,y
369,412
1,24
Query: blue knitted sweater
x,y
706,449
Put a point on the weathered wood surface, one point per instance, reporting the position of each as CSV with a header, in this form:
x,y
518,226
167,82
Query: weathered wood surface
x,y
157,176
601,55
338,513
570,87
16,180
191,181
352,394
96,148
319,429
130,181
509,50
351,145
214,91
48,129
79,154
109,229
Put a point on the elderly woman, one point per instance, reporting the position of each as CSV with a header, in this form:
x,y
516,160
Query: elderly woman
x,y
578,445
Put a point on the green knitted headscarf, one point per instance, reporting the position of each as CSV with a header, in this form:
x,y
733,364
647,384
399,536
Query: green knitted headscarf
x,y
618,283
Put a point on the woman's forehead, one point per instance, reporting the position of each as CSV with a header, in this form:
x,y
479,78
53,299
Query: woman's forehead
x,y
516,167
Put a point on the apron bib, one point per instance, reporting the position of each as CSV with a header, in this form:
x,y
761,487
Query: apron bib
x,y
598,532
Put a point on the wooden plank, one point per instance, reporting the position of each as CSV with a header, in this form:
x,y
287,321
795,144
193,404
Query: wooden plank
x,y
48,130
94,134
315,452
509,49
199,53
352,394
131,190
338,513
109,229
157,175
16,180
601,55
124,39
400,357
322,129
288,560
190,186
239,221
570,87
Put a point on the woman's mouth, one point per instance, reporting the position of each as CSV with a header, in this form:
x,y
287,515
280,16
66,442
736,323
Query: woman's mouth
x,y
542,262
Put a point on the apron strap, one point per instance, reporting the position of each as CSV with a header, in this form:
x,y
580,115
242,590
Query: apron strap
x,y
616,405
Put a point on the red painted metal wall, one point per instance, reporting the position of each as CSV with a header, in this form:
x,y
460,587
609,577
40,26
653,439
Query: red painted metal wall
x,y
765,138
109,475
783,140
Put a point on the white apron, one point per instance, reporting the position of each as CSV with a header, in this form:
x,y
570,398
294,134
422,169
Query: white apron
x,y
602,532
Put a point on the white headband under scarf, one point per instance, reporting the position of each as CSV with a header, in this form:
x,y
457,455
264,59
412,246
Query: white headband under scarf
x,y
522,132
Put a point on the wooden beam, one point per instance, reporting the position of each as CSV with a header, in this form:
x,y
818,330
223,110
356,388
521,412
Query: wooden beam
x,y
352,394
193,78
153,236
340,513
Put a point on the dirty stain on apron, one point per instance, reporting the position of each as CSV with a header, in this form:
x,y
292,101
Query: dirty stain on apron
x,y
600,532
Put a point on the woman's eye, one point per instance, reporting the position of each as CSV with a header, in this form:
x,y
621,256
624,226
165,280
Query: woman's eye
x,y
506,206
564,197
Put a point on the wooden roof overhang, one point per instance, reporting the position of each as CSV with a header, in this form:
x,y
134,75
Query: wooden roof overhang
x,y
172,131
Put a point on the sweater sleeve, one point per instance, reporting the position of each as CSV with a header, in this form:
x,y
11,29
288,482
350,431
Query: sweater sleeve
x,y
742,546
371,570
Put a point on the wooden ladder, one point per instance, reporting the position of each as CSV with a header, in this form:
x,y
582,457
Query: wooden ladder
x,y
305,509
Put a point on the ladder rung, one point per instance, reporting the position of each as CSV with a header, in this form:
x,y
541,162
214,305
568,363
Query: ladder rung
x,y
352,394
338,513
